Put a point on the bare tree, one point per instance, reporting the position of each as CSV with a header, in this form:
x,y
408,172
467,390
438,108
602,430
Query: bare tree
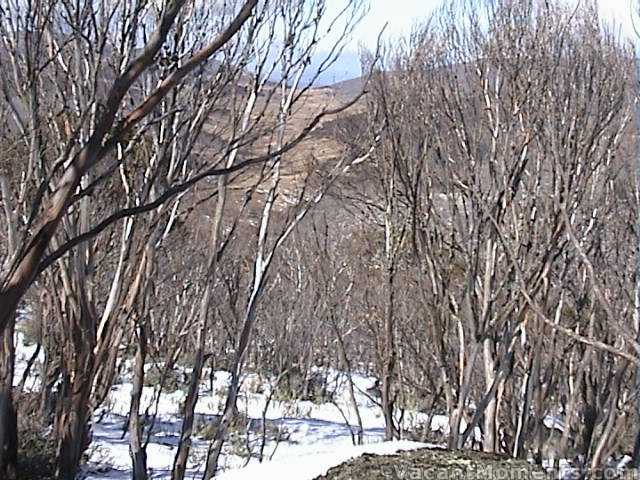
x,y
501,149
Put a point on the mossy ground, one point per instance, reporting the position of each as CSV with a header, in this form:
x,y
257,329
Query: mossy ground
x,y
434,464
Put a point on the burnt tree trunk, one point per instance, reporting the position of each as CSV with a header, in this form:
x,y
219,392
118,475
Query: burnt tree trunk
x,y
8,417
137,450
73,422
8,437
388,367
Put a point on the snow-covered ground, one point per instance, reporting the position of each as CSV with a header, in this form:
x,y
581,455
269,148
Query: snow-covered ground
x,y
314,437
306,439
310,438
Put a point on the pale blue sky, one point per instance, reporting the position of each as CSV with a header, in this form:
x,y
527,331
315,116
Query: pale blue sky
x,y
401,15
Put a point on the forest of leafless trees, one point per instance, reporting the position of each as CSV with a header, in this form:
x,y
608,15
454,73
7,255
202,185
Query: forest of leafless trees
x,y
471,239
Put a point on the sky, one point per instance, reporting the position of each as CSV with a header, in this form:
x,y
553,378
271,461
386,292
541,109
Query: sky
x,y
400,15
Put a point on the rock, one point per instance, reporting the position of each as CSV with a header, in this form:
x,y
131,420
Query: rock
x,y
431,463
